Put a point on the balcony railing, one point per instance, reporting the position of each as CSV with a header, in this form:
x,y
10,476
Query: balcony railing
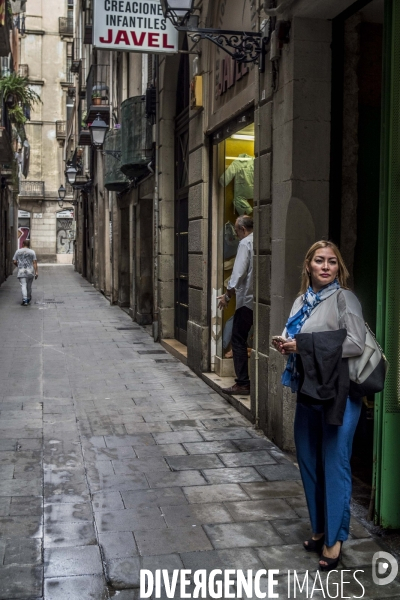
x,y
61,129
23,70
69,74
65,26
32,188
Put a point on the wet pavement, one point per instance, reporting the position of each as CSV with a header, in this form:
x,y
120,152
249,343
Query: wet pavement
x,y
115,457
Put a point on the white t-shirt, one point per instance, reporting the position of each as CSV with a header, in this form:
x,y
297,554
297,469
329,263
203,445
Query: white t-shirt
x,y
25,258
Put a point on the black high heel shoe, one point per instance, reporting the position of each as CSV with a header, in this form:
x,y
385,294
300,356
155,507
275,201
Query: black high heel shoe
x,y
331,563
314,545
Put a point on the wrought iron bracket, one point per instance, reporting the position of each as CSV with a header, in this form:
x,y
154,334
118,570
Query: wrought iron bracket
x,y
114,153
243,46
83,187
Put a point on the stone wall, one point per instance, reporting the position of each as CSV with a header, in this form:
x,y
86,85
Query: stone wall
x,y
168,78
300,189
43,49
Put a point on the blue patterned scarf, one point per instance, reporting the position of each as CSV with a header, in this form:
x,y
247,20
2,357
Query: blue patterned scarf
x,y
290,376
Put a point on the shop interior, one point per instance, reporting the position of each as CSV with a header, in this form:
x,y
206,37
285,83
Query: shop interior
x,y
235,174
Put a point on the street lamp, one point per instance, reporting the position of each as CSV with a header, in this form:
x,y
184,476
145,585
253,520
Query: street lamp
x,y
62,192
177,11
98,130
60,202
71,173
243,46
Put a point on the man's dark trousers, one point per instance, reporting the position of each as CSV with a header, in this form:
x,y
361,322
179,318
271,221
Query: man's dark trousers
x,y
242,323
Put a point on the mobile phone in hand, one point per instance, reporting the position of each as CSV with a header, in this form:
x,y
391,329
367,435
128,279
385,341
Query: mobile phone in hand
x,y
279,338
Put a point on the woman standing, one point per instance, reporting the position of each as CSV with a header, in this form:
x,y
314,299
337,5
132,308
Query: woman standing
x,y
324,449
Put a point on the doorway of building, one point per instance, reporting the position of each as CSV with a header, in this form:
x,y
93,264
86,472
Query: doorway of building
x,y
357,55
65,235
181,203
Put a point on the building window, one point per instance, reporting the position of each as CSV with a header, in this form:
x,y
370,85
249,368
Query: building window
x,y
69,75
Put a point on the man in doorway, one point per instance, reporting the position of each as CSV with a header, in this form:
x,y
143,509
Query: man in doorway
x,y
241,284
25,260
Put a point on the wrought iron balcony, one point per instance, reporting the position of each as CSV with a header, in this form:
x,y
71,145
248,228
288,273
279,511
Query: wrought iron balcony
x,y
137,138
32,189
66,26
114,179
61,129
76,58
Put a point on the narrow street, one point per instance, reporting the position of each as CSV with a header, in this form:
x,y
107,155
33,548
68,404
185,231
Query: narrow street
x,y
115,457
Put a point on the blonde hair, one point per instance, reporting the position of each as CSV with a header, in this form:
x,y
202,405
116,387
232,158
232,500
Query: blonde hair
x,y
342,275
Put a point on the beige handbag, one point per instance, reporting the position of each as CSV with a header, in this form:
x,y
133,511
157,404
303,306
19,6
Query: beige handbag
x,y
368,371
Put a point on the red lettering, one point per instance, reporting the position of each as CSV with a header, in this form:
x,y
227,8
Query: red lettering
x,y
153,40
103,40
138,42
122,36
165,41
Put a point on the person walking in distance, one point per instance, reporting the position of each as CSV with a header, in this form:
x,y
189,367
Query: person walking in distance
x,y
25,260
241,284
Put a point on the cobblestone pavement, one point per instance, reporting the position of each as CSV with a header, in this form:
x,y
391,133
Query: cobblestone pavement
x,y
114,457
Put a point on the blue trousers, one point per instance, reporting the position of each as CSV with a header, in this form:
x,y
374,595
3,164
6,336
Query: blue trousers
x,y
323,453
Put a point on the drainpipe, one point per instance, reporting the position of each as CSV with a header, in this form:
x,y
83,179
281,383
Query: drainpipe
x,y
257,269
134,236
112,198
111,224
156,324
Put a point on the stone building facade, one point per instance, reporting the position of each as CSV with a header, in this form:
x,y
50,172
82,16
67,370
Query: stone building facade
x,y
45,55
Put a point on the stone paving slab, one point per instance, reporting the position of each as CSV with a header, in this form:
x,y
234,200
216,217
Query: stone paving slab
x,y
116,458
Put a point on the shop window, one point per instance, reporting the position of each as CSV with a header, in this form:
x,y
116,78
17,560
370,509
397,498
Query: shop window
x,y
235,197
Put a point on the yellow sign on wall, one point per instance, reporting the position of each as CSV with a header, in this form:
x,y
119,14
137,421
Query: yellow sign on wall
x,y
196,92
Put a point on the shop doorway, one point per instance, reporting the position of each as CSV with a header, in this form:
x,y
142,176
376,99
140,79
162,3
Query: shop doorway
x,y
65,235
181,203
356,180
233,193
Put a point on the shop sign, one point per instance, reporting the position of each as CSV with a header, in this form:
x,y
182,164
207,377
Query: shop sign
x,y
24,214
229,73
65,214
133,27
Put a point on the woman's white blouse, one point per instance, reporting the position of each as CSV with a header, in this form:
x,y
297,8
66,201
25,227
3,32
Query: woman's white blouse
x,y
326,316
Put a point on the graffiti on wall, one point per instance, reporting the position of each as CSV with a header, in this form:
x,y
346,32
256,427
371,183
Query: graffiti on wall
x,y
65,236
23,234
